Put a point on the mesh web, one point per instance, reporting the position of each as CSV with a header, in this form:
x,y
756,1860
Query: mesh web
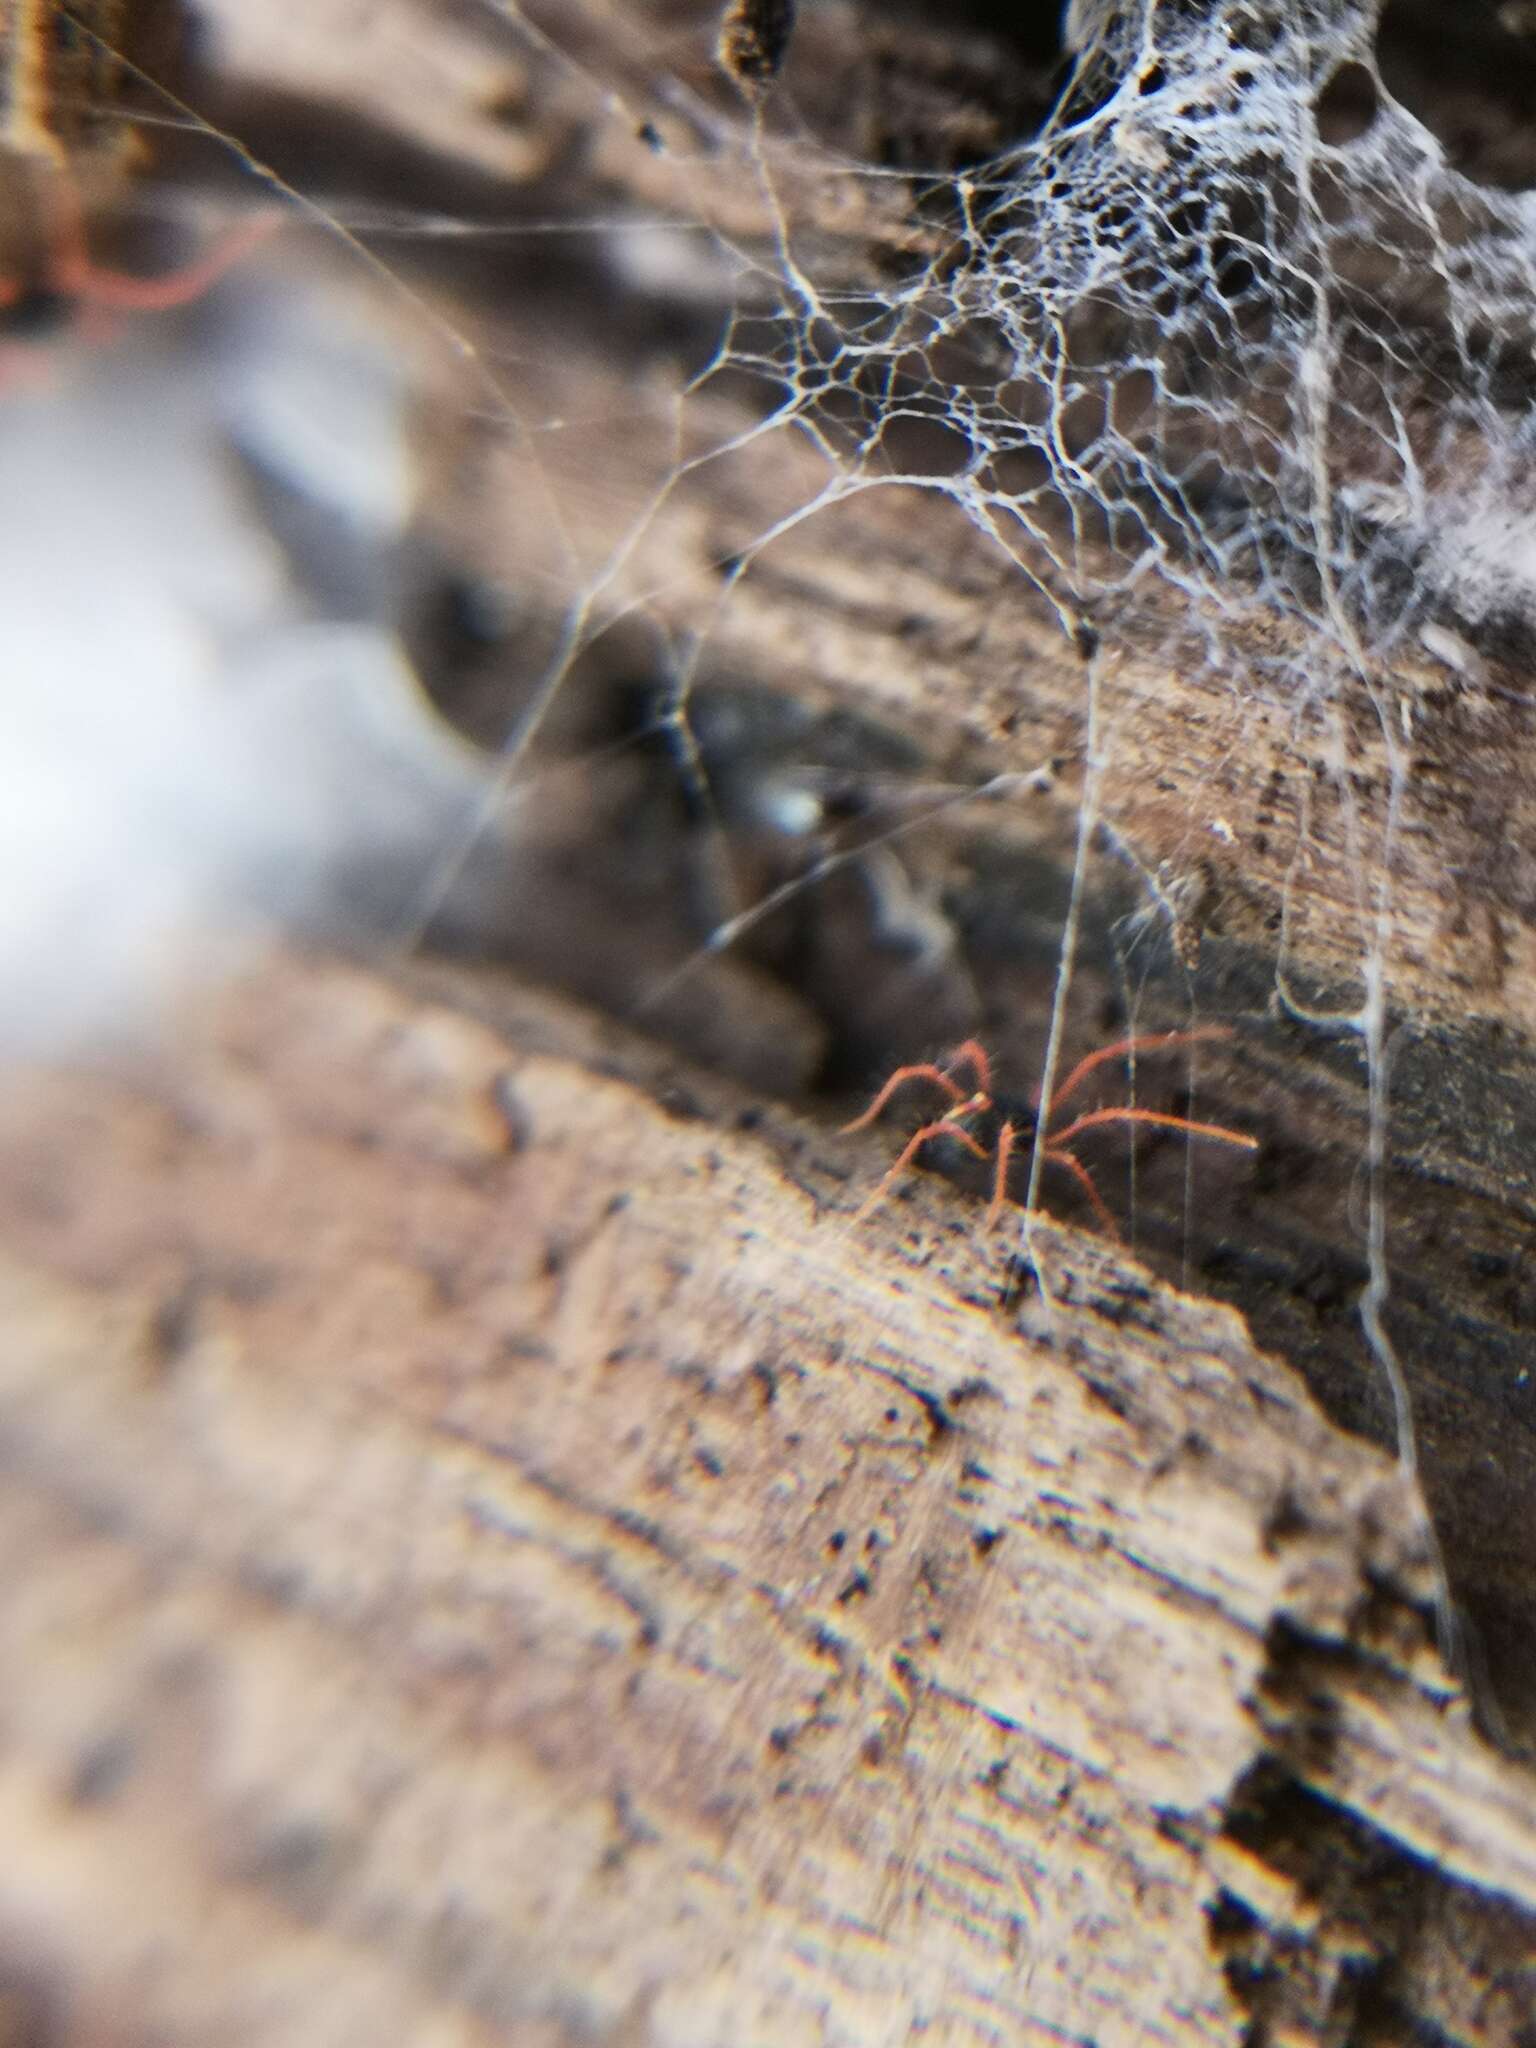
x,y
1198,342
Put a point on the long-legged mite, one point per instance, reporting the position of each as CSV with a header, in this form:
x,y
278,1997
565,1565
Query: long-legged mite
x,y
1005,1127
67,148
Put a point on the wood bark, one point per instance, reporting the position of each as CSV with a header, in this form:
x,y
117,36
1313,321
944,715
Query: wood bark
x,y
507,1556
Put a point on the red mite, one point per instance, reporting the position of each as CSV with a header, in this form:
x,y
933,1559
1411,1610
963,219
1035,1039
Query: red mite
x,y
1007,1129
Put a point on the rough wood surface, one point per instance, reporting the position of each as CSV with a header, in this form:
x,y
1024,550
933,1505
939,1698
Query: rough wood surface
x,y
506,1557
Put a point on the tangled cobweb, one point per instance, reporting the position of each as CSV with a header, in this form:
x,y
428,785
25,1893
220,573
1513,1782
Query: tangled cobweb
x,y
1231,323
1227,359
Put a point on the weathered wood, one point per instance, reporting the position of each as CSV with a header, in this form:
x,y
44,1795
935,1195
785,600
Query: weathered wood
x,y
505,1559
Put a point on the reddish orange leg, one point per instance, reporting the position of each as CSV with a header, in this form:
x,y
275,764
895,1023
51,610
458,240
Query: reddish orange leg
x,y
1164,1121
1085,1181
980,1097
924,1072
76,276
974,1055
117,291
1138,1042
1007,1137
941,1127
1055,1146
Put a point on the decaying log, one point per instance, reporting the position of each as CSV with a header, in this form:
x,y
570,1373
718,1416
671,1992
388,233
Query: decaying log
x,y
502,1555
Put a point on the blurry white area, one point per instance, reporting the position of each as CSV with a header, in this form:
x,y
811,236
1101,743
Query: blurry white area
x,y
193,754
319,401
673,264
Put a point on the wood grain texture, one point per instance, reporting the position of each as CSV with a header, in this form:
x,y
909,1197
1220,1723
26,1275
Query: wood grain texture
x,y
58,70
501,1557
505,1560
61,139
